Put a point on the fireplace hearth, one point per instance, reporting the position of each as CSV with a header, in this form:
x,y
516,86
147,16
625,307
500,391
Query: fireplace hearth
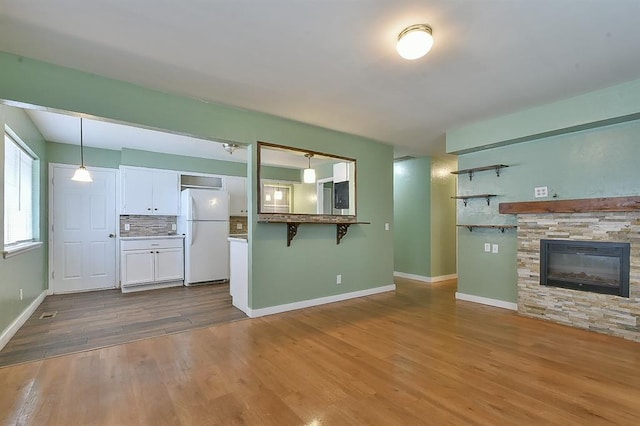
x,y
594,266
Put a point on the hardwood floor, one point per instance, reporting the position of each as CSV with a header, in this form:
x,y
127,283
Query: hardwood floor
x,y
102,318
416,356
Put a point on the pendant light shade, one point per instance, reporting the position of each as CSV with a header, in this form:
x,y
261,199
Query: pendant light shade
x,y
415,41
309,174
82,174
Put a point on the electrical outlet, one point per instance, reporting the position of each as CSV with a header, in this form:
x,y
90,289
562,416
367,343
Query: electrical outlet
x,y
494,248
386,226
21,295
487,247
173,227
541,192
339,279
127,227
238,226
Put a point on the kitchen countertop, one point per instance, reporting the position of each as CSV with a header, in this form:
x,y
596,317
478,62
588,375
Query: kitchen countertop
x,y
152,237
241,238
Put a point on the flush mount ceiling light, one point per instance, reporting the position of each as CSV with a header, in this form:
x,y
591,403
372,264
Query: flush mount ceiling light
x,y
230,147
82,174
309,175
415,41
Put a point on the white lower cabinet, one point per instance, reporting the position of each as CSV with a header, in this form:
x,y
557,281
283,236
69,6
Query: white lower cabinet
x,y
151,263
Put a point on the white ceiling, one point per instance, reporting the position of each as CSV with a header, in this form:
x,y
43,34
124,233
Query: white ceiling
x,y
97,133
332,63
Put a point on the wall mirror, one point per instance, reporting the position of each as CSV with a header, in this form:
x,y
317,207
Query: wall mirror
x,y
303,182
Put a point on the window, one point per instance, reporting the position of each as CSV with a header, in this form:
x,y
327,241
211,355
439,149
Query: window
x,y
19,170
276,198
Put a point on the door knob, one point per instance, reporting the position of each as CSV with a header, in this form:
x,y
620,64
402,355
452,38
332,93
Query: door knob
x,y
111,236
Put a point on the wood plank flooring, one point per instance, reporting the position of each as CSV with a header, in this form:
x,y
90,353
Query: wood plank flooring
x,y
410,357
102,318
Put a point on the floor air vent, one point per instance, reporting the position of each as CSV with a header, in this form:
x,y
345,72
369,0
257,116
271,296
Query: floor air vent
x,y
48,315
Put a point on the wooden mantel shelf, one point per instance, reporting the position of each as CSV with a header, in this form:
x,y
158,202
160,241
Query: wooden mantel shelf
x,y
585,205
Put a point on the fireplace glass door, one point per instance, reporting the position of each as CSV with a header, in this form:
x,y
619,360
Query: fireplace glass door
x,y
600,267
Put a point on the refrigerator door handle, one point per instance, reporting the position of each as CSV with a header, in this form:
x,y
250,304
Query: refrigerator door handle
x,y
192,225
193,208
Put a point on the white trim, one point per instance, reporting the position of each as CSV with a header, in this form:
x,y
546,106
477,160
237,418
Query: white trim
x,y
487,301
424,278
21,248
254,313
13,328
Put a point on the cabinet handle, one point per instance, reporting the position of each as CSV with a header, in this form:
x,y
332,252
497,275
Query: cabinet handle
x,y
156,208
151,251
148,208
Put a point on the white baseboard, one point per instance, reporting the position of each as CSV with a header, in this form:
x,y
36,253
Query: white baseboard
x,y
254,313
487,301
424,278
13,328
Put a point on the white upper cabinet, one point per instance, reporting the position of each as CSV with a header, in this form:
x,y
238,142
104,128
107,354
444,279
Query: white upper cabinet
x,y
340,172
150,192
237,188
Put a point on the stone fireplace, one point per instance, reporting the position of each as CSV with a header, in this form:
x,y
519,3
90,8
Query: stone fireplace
x,y
596,266
605,313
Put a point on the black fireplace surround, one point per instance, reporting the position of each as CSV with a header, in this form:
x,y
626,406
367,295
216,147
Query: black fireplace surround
x,y
595,266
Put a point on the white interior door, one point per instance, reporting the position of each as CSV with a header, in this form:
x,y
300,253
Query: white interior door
x,y
83,246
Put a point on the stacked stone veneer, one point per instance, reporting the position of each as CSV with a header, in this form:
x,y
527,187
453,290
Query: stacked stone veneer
x,y
613,315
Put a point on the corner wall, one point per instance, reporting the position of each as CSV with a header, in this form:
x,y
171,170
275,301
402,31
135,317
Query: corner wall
x,y
424,218
28,270
599,160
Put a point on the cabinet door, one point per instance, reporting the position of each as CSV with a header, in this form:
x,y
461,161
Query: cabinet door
x,y
169,264
237,188
166,193
137,267
137,191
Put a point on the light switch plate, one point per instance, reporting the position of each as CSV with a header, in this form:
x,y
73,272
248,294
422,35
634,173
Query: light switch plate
x,y
487,247
238,226
173,227
127,227
386,226
494,248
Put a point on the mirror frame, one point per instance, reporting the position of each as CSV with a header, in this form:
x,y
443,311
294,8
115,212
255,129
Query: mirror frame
x,y
301,216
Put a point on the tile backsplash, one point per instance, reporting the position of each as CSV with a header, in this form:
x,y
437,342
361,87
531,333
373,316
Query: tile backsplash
x,y
146,225
233,225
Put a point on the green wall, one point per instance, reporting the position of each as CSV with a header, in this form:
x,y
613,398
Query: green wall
x,y
412,216
591,110
598,161
424,217
63,153
443,217
156,160
26,271
279,274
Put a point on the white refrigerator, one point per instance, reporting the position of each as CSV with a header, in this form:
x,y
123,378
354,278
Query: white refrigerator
x,y
204,220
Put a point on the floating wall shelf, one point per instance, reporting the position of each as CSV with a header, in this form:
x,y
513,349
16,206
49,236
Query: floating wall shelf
x,y
471,171
465,198
502,228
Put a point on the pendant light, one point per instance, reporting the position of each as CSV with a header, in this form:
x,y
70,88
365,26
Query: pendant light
x,y
230,147
81,174
277,194
309,175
